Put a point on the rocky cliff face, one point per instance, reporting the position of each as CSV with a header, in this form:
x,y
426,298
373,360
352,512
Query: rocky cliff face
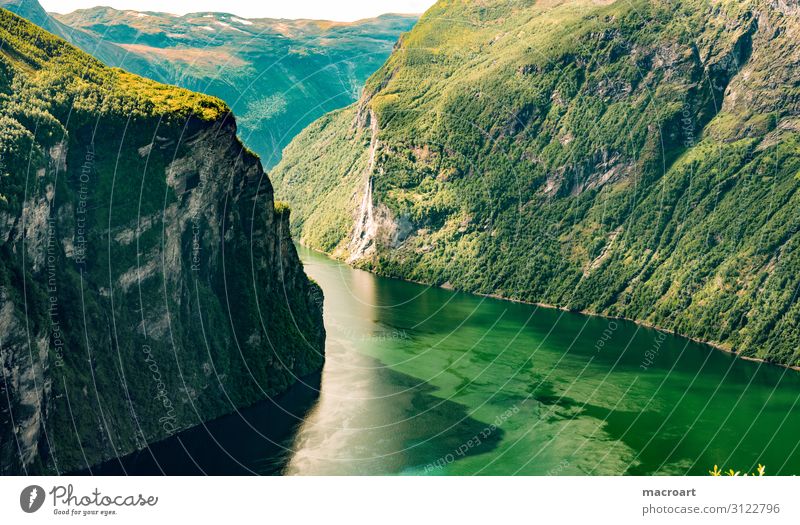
x,y
634,159
148,282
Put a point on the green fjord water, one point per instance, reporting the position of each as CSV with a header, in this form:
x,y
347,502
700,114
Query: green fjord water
x,y
421,380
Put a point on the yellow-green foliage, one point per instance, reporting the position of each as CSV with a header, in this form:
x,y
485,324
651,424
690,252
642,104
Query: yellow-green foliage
x,y
155,98
282,207
730,472
44,82
51,70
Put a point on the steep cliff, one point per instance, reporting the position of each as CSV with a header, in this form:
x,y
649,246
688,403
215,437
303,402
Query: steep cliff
x,y
148,280
635,158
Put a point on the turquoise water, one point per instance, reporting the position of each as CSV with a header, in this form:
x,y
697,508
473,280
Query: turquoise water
x,y
422,380
426,381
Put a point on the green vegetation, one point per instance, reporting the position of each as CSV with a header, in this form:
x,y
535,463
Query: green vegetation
x,y
68,79
147,279
637,159
730,472
45,82
282,207
321,187
93,44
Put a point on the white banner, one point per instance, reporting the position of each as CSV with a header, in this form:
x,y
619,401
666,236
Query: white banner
x,y
389,500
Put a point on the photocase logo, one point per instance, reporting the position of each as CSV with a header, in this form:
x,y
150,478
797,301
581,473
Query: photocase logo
x,y
31,498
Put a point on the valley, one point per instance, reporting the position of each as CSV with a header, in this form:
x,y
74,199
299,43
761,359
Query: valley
x,y
503,237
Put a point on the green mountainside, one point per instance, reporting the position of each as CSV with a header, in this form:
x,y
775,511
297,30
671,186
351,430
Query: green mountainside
x,y
91,43
638,159
277,75
148,281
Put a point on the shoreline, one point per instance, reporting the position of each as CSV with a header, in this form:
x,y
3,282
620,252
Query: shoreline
x,y
716,346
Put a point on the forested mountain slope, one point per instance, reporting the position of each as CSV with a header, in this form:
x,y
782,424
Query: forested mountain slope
x,y
635,158
148,281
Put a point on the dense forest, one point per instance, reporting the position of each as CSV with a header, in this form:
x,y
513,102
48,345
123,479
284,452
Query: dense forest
x,y
638,159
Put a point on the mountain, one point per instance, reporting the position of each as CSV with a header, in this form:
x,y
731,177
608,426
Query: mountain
x,y
636,159
148,282
34,12
277,75
91,43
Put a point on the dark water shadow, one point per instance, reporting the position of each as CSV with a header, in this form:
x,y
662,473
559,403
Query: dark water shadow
x,y
253,440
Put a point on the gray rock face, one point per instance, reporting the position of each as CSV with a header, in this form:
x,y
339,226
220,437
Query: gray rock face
x,y
128,314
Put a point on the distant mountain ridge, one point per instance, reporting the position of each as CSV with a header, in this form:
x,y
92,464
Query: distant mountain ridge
x,y
277,75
